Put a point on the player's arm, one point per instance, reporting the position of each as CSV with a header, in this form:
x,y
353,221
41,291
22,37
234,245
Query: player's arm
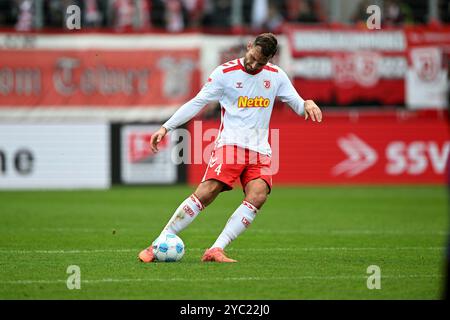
x,y
288,94
211,91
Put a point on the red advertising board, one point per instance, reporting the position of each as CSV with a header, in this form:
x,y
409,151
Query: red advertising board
x,y
428,36
107,78
379,148
348,65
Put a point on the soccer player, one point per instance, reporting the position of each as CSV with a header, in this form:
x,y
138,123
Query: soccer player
x,y
246,89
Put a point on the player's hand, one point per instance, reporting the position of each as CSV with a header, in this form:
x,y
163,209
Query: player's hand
x,y
156,138
312,111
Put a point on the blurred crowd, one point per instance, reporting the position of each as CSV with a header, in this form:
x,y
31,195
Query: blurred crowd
x,y
179,15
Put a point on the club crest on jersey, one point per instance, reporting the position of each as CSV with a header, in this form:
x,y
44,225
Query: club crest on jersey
x,y
267,84
239,85
257,102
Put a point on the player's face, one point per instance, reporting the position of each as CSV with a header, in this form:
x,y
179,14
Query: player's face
x,y
254,60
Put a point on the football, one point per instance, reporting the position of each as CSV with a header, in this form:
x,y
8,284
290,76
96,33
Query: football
x,y
168,247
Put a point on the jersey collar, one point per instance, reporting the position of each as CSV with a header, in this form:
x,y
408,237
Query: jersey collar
x,y
243,68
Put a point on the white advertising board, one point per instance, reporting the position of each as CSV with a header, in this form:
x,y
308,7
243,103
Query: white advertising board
x,y
426,81
54,156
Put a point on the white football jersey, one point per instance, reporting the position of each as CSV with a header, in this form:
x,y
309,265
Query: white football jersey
x,y
246,100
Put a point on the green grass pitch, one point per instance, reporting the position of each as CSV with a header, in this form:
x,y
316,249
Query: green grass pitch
x,y
306,243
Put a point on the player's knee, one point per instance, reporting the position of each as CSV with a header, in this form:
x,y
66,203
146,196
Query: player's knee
x,y
207,191
256,192
257,198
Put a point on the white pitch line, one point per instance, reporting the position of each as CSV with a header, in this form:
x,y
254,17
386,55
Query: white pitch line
x,y
68,251
136,250
355,232
256,230
110,280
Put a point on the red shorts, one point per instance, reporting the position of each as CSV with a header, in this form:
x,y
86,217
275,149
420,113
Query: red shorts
x,y
230,162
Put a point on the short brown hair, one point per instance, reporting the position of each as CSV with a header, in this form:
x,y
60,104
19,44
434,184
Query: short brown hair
x,y
268,44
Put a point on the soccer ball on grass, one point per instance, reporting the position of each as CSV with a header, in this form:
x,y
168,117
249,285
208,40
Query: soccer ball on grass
x,y
168,247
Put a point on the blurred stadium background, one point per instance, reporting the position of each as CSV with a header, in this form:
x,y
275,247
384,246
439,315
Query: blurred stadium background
x,y
78,107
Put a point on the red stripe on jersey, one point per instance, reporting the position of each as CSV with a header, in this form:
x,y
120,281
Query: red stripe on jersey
x,y
270,69
231,62
237,67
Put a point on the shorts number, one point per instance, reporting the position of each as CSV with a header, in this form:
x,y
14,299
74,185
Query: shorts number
x,y
218,169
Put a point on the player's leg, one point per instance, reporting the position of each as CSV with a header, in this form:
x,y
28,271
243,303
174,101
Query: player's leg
x,y
187,211
257,181
219,176
256,192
